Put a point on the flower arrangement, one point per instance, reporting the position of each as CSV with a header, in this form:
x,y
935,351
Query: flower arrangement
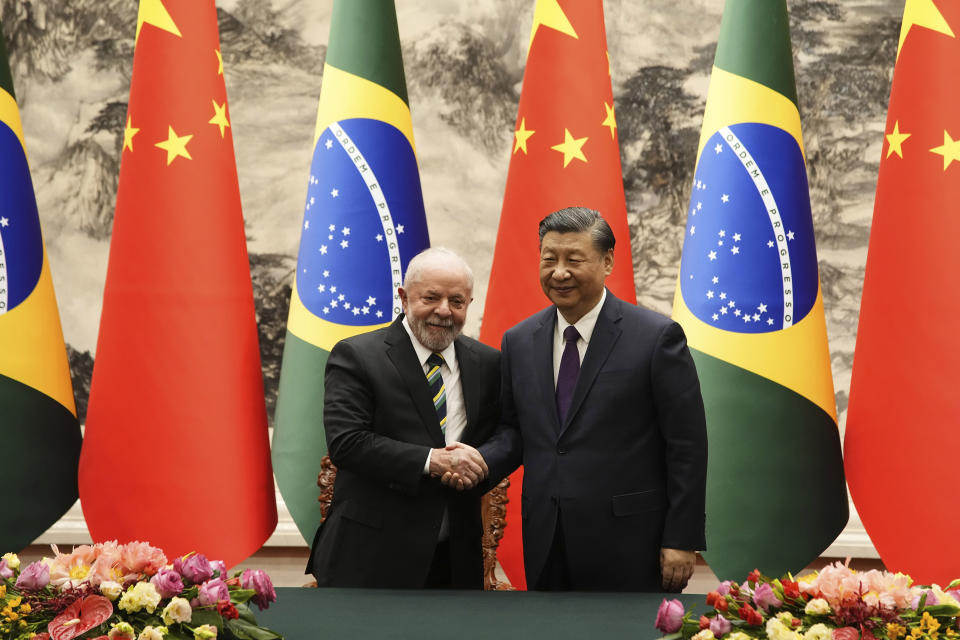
x,y
129,592
835,603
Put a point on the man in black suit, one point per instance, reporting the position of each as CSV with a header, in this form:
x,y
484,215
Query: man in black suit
x,y
402,407
614,450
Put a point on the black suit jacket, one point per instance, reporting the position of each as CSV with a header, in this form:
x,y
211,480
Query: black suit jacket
x,y
380,422
626,471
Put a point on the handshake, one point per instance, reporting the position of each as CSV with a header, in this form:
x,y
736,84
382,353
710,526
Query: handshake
x,y
458,466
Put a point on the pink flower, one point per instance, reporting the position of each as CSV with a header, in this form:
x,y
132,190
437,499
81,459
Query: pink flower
x,y
106,567
5,571
720,626
259,581
764,597
140,557
213,591
168,583
195,568
669,616
35,577
724,587
219,565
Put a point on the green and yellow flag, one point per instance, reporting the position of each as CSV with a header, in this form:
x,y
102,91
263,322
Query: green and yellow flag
x,y
363,222
749,299
38,419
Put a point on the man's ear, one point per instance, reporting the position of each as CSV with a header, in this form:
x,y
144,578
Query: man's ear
x,y
608,262
403,298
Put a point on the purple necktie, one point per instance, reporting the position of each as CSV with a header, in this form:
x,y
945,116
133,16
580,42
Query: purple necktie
x,y
569,370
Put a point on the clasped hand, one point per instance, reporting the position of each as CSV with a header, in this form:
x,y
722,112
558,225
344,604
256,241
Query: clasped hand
x,y
458,465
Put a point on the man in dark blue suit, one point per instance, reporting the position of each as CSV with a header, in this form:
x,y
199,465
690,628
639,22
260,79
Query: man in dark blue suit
x,y
614,449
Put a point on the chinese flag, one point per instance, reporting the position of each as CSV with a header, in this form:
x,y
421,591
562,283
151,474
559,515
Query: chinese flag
x,y
565,153
176,449
902,443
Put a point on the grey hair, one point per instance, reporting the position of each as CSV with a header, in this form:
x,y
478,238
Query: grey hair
x,y
577,220
434,256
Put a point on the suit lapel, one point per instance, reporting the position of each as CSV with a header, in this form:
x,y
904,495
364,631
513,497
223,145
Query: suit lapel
x,y
469,381
543,365
605,335
404,358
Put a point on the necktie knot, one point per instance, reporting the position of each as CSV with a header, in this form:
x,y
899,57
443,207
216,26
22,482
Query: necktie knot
x,y
435,360
570,334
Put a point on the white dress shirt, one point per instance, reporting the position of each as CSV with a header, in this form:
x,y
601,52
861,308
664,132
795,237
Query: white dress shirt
x,y
450,371
584,327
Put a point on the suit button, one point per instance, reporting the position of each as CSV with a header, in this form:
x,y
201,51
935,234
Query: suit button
x,y
561,450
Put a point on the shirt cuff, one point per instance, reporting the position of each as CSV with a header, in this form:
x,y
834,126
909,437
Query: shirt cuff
x,y
426,466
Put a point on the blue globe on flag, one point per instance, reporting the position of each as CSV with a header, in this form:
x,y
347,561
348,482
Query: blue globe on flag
x,y
749,260
21,241
363,222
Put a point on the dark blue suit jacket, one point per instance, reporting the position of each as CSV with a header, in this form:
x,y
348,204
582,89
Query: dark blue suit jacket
x,y
626,471
381,530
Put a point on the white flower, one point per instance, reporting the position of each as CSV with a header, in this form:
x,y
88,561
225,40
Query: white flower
x,y
142,595
12,560
738,635
817,607
152,633
705,634
177,611
776,630
111,589
818,631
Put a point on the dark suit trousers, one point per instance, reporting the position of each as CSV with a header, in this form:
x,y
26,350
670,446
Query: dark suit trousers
x,y
556,574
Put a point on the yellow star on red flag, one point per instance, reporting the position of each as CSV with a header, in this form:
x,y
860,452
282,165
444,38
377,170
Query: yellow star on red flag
x,y
153,12
922,13
610,120
548,13
950,150
128,132
175,146
219,117
895,140
219,62
570,148
521,136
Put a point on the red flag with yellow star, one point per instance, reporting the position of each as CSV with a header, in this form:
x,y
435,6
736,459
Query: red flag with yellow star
x,y
566,152
903,412
176,449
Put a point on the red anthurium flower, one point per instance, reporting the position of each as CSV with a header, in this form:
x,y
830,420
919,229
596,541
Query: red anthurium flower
x,y
79,617
721,604
712,598
754,576
704,622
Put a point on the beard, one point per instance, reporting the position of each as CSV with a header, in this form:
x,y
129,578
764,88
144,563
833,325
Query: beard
x,y
434,333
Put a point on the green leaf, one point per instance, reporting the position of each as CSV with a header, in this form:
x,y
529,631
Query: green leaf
x,y
242,630
942,610
241,595
246,613
207,616
177,632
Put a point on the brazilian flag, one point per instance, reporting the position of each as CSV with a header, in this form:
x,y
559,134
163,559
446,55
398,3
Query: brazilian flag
x,y
38,418
363,222
749,300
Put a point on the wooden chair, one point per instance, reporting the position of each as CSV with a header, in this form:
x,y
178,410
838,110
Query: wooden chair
x,y
494,514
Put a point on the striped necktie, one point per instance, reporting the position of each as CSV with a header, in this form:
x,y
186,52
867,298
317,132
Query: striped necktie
x,y
437,390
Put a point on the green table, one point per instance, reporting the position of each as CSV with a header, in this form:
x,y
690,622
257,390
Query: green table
x,y
311,614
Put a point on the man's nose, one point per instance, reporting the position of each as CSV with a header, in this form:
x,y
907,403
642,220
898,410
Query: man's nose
x,y
560,272
443,308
